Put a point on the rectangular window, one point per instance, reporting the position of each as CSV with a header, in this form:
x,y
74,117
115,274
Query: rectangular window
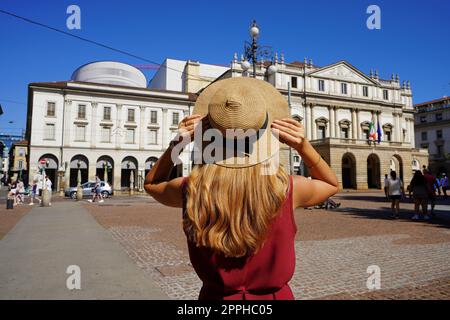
x,y
130,115
321,85
439,151
424,136
423,119
21,152
153,117
344,133
366,134
107,113
20,164
296,159
387,135
438,116
81,111
106,134
321,132
175,118
49,131
365,91
294,82
439,134
153,137
343,88
130,136
80,133
385,95
51,109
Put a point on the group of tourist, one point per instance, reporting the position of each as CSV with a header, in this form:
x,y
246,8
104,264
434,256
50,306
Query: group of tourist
x,y
423,189
18,191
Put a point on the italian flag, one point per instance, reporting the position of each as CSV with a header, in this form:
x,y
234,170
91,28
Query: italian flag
x,y
372,132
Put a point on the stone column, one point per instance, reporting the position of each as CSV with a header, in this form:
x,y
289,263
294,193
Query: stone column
x,y
94,129
313,124
165,125
117,172
354,128
358,125
412,133
396,132
142,128
308,121
332,117
336,123
68,127
119,133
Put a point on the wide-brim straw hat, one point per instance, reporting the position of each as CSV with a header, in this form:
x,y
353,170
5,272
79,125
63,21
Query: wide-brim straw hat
x,y
243,103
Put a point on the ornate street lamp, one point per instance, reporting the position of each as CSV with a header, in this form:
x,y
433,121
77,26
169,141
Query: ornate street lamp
x,y
252,51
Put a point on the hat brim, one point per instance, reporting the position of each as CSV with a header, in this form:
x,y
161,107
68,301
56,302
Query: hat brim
x,y
266,145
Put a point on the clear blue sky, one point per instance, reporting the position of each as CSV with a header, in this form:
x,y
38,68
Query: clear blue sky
x,y
413,40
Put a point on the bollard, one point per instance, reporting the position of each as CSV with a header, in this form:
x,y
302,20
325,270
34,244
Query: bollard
x,y
9,204
79,193
46,198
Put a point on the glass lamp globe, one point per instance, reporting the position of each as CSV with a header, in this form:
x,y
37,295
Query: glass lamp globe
x,y
254,31
272,70
245,65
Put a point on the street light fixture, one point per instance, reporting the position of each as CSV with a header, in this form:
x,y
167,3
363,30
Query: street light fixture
x,y
252,50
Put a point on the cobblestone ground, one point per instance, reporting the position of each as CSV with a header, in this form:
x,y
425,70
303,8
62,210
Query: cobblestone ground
x,y
333,248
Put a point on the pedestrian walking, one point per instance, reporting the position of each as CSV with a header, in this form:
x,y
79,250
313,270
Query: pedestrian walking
x,y
13,191
444,185
96,194
238,202
395,191
420,195
431,189
386,180
34,193
48,185
437,184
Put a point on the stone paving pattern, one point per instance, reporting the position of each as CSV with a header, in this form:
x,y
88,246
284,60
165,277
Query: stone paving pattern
x,y
333,248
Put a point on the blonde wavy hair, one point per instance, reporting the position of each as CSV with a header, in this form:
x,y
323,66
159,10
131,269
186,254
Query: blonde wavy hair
x,y
230,210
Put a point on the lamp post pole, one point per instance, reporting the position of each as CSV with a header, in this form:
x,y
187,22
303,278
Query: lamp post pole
x,y
254,35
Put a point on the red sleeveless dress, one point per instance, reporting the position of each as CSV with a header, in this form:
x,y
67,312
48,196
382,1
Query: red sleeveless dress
x,y
263,276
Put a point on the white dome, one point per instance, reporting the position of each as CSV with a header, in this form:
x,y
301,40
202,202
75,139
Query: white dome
x,y
110,72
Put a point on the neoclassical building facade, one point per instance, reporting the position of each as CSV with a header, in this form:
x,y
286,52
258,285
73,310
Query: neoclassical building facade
x,y
337,104
105,122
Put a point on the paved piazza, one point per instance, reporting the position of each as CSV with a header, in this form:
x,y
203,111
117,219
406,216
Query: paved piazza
x,y
333,248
